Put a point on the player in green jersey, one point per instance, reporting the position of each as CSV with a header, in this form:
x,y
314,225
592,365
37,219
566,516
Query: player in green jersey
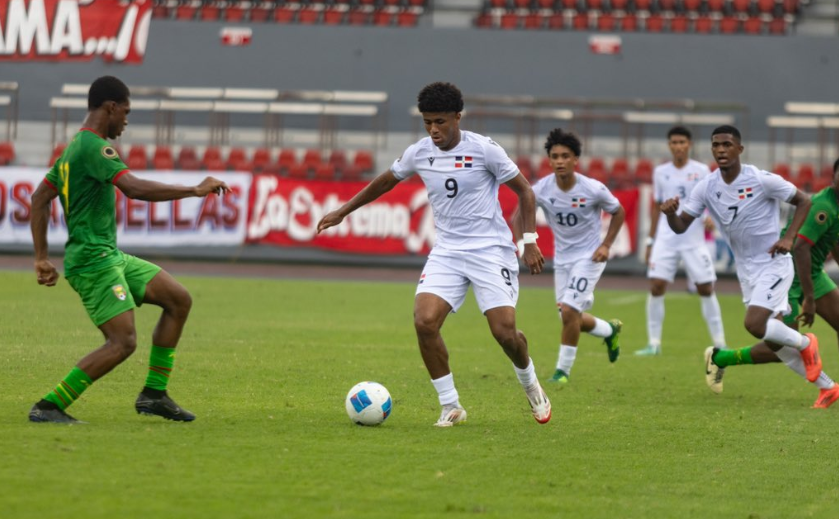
x,y
816,294
110,283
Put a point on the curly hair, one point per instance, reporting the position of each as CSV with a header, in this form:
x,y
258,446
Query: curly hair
x,y
106,88
440,97
727,128
680,130
567,139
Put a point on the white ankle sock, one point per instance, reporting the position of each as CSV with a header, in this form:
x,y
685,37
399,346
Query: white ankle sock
x,y
567,355
655,319
779,333
601,328
526,376
713,317
446,391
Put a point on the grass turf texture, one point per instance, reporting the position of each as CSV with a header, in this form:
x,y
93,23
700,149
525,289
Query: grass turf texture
x,y
266,364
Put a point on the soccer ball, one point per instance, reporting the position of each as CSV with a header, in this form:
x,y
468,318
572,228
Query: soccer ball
x,y
368,403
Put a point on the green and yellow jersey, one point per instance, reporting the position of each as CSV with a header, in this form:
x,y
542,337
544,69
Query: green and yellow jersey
x,y
821,228
84,177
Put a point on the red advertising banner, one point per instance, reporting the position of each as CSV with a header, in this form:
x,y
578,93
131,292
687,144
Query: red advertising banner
x,y
74,30
285,212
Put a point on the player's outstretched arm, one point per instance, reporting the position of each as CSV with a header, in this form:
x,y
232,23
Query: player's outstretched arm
x,y
602,252
802,204
527,213
678,222
151,191
801,251
41,200
376,188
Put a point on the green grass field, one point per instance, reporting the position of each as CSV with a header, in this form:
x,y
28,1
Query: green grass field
x,y
266,364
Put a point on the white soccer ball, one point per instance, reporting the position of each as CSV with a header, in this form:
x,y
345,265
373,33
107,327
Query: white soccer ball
x,y
368,403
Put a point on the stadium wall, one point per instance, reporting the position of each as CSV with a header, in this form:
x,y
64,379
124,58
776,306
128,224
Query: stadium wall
x,y
761,72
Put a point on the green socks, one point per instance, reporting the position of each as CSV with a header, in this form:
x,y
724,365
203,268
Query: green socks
x,y
723,358
160,367
69,389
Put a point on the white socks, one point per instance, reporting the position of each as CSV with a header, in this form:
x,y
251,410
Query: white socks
x,y
655,319
779,333
601,328
792,358
526,376
445,389
713,317
567,355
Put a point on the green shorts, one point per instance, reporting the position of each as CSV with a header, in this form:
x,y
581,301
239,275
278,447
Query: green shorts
x,y
115,290
822,285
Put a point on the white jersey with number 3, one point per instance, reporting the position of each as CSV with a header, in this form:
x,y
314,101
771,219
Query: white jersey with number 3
x,y
670,182
746,211
462,186
574,215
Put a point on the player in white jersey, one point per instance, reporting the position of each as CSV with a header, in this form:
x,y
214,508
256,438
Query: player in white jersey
x,y
462,172
744,203
573,204
665,248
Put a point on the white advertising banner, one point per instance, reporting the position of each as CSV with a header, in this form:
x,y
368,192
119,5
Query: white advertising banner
x,y
208,221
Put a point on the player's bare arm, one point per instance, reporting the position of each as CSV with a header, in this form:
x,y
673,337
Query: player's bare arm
x,y
151,191
379,186
602,252
655,213
801,251
41,200
802,204
527,213
678,222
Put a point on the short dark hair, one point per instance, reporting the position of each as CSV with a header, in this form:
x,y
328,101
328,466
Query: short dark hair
x,y
727,128
440,97
106,88
567,139
835,166
679,130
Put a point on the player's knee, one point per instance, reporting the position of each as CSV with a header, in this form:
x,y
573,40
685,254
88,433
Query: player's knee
x,y
125,345
425,325
507,336
657,289
705,289
570,316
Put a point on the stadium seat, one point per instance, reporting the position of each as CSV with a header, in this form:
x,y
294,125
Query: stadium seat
x,y
260,13
509,21
679,23
643,171
7,153
209,13
777,26
312,159
382,18
741,6
351,173
137,158
826,172
483,20
498,4
729,25
715,6
580,22
550,5
594,5
752,25
261,162
703,25
185,12
406,19
533,21
804,177
286,160
358,17
820,183
618,5
570,4
629,23
606,22
363,160
654,23
162,158
521,4
238,161
284,15
713,166
325,172
308,16
333,17
667,5
782,170
212,159
338,159
556,21
766,6
298,171
791,6
596,164
161,12
525,166
643,5
235,12
692,5
545,168
188,159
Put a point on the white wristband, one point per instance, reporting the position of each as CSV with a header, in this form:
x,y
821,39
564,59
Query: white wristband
x,y
520,247
529,237
650,241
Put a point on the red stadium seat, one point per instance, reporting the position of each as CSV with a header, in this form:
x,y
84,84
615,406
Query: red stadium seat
x,y
654,23
351,174
498,4
382,18
716,6
547,4
325,172
338,159
741,6
569,4
209,13
679,23
777,26
594,5
643,5
782,170
556,22
483,20
363,161
521,4
260,13
188,159
212,159
162,158
358,17
713,166
333,17
7,153
766,6
406,19
234,13
533,21
605,22
284,15
237,160
312,159
298,171
137,158
620,168
545,168
308,16
729,25
629,23
826,172
185,12
160,12
509,21
261,161
703,25
692,5
752,25
644,171
791,6
286,160
667,5
618,5
580,22
821,183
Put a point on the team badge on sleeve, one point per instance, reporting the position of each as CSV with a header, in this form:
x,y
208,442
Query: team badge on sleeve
x,y
462,162
109,152
821,217
745,193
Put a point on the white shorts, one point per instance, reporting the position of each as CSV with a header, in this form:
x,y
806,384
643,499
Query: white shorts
x,y
769,288
574,283
664,262
493,273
